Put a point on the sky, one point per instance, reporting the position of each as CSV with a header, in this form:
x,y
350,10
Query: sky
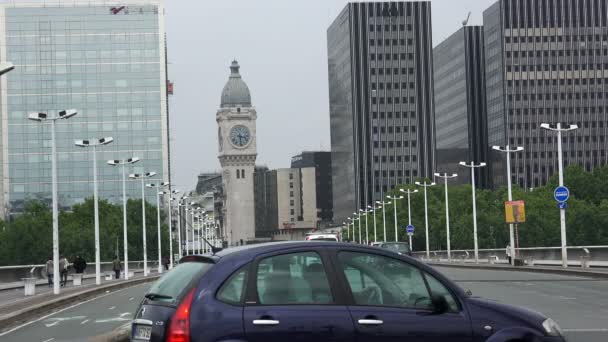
x,y
281,46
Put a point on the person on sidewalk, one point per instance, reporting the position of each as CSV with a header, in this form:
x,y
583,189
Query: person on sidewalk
x,y
166,263
116,267
49,271
63,270
79,264
509,257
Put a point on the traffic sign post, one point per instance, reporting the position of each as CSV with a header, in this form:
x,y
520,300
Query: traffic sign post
x,y
409,229
561,194
562,205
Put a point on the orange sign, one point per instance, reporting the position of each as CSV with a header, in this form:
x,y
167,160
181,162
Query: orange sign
x,y
515,211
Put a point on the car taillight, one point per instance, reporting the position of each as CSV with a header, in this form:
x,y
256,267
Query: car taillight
x,y
179,329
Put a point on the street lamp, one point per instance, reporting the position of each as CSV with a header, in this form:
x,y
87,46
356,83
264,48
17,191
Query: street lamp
x,y
180,204
409,210
473,166
142,177
157,187
364,212
6,67
347,230
172,192
562,211
124,163
395,199
508,151
383,205
445,176
373,211
94,143
426,215
358,217
64,114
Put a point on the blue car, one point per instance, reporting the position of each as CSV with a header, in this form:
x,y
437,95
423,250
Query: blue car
x,y
323,291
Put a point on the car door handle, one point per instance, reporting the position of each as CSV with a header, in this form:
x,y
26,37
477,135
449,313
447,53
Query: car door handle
x,y
265,322
366,321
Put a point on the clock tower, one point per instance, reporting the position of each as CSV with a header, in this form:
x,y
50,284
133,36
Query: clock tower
x,y
237,153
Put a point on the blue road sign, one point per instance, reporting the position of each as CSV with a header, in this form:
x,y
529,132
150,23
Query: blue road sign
x,y
409,229
562,205
561,194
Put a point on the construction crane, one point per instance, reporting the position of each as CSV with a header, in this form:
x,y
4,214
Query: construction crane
x,y
465,22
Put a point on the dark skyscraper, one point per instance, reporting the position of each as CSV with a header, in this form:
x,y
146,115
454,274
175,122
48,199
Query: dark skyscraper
x,y
321,161
460,104
381,100
547,61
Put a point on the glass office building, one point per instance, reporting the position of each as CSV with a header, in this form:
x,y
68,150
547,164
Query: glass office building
x,y
108,63
380,64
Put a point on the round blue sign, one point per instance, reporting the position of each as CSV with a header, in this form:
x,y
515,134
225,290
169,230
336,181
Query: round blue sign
x,y
561,194
409,229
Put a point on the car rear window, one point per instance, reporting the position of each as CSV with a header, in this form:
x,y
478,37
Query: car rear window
x,y
397,247
171,286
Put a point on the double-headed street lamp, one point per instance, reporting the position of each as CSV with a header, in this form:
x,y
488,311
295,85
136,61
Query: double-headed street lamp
x,y
394,200
364,212
508,151
383,206
64,114
94,143
124,163
352,220
157,187
357,216
473,166
373,211
562,211
142,177
426,215
172,192
409,210
445,177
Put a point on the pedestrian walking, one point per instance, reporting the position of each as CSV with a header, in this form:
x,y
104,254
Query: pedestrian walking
x,y
509,256
166,263
116,267
79,264
49,271
63,270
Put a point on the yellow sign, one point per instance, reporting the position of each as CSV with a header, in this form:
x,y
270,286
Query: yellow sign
x,y
515,212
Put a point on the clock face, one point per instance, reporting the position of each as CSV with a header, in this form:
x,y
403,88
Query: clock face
x,y
240,135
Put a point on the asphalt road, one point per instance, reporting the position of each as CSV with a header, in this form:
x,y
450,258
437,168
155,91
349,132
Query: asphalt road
x,y
78,323
579,305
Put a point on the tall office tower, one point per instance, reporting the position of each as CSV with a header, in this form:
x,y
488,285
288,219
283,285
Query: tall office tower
x,y
381,100
107,62
460,104
546,61
321,161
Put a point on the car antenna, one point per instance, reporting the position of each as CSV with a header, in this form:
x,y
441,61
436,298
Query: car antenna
x,y
213,248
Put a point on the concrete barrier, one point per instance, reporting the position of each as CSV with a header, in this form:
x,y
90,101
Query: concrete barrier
x,y
29,285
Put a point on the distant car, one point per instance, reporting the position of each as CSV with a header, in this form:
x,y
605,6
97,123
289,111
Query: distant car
x,y
376,244
323,291
321,237
402,248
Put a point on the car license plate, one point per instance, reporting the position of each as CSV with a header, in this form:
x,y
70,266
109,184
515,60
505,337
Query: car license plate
x,y
142,332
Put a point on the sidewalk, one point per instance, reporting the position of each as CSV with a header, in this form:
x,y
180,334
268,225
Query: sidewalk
x,y
600,273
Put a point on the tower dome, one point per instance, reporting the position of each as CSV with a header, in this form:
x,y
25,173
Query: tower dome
x,y
235,93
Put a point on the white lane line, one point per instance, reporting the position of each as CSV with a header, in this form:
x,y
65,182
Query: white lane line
x,y
62,310
83,322
130,299
52,324
112,308
115,319
49,340
586,330
567,298
125,314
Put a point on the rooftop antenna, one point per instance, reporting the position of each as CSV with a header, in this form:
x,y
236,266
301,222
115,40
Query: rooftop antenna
x,y
466,21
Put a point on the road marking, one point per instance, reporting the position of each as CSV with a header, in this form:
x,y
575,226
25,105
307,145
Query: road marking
x,y
56,320
52,324
49,340
131,298
568,298
62,310
112,308
83,322
115,319
586,330
125,314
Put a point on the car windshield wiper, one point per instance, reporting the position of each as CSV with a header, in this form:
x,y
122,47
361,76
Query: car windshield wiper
x,y
154,296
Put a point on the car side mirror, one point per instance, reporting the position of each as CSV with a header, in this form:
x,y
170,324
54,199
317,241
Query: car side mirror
x,y
440,304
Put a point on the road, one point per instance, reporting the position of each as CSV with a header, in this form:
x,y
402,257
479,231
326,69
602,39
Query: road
x,y
579,305
81,322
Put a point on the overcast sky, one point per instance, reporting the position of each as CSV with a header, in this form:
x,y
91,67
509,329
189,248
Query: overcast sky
x,y
281,47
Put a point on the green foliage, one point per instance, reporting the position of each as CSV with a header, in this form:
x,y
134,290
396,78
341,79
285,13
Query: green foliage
x,y
27,239
586,216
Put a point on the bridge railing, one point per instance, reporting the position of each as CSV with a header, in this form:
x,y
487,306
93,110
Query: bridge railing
x,y
582,256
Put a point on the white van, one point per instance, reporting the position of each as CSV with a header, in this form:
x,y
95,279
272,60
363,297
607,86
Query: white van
x,y
321,237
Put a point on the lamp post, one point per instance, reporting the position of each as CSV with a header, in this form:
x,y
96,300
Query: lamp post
x,y
383,205
142,177
445,177
473,166
352,220
124,163
426,215
409,210
373,211
172,192
6,67
508,151
157,186
394,200
560,164
364,212
358,217
64,114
